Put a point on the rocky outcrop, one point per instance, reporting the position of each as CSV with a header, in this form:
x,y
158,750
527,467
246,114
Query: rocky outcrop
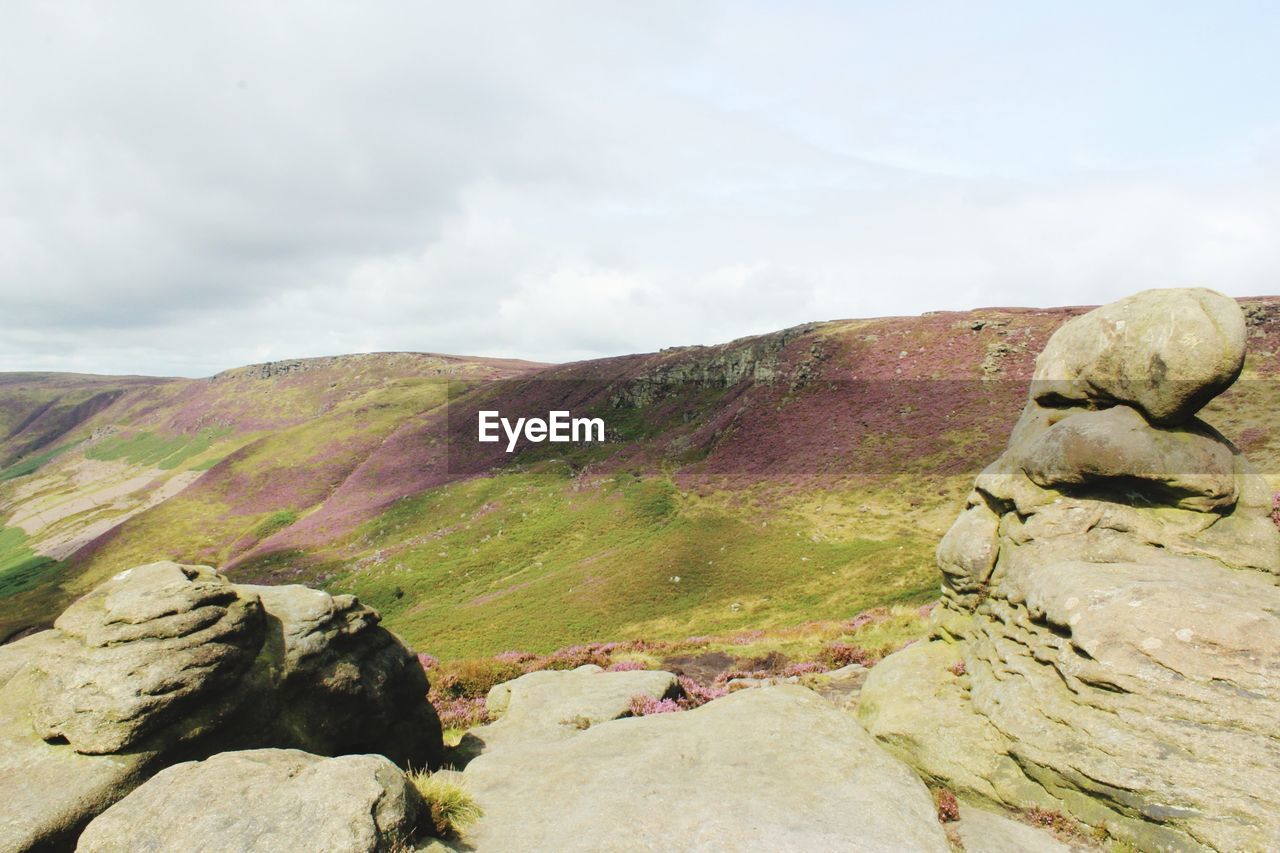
x,y
773,768
1109,644
165,663
264,800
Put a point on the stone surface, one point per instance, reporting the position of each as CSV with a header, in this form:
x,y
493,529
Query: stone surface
x,y
983,831
166,662
552,704
1109,643
1164,352
774,768
263,800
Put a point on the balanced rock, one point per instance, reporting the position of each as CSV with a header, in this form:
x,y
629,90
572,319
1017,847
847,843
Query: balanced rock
x,y
1164,352
166,662
1109,640
264,800
775,768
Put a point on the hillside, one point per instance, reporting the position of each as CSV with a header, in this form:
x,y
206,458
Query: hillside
x,y
801,475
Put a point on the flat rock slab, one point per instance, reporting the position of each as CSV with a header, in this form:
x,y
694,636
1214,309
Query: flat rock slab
x,y
775,768
264,800
984,831
551,704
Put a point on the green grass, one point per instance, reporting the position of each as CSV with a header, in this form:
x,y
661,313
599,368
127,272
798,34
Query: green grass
x,y
147,448
29,465
275,522
536,560
20,567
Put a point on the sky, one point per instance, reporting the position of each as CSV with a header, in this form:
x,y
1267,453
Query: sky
x,y
187,187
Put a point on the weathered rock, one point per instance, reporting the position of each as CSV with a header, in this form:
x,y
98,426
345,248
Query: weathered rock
x,y
552,704
1116,452
1110,605
153,644
774,768
264,800
164,663
336,682
1165,352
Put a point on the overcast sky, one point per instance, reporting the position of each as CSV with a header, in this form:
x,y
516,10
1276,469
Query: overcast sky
x,y
186,187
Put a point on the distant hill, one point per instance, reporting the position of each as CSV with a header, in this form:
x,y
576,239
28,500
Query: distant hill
x,y
803,474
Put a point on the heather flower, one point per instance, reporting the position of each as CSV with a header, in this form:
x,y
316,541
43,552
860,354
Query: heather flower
x,y
957,668
695,695
801,669
643,705
843,654
948,807
625,666
428,661
514,657
461,712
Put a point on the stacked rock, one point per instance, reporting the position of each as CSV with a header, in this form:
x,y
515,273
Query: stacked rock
x,y
1110,590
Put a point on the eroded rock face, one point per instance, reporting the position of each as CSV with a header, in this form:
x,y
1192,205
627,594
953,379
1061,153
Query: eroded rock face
x,y
264,800
775,768
153,644
1110,640
167,662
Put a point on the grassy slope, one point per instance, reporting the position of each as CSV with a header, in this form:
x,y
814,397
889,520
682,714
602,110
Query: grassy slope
x,y
799,476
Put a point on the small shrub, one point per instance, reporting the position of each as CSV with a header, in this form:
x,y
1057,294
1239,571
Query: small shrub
x,y
948,807
695,695
451,808
643,705
428,662
839,654
475,677
625,666
1054,821
957,669
1275,509
867,617
460,712
806,668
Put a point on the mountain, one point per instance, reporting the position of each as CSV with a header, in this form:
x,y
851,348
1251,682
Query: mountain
x,y
800,475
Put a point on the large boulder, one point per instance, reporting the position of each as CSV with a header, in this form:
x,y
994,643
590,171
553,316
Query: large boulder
x,y
1109,644
775,767
264,800
1164,352
167,662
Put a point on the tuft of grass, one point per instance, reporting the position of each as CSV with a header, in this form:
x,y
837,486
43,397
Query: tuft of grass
x,y
451,807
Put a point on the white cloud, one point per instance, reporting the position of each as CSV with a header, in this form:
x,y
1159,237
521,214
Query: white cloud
x,y
184,188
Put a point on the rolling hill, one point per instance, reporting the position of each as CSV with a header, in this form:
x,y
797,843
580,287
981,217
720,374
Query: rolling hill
x,y
801,475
